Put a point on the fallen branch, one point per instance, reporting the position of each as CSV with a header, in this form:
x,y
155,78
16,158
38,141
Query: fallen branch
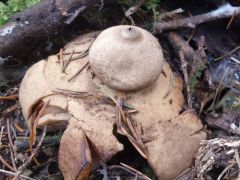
x,y
225,11
27,29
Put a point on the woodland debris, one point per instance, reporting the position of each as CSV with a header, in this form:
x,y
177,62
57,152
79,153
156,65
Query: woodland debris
x,y
218,153
134,8
37,24
225,11
179,44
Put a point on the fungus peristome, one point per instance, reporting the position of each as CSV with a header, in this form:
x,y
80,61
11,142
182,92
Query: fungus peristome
x,y
126,58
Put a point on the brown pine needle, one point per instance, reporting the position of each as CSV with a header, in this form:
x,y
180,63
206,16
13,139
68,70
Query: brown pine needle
x,y
67,62
12,97
78,72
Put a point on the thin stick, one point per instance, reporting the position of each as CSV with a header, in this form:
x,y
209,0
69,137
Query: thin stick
x,y
186,79
34,153
222,12
6,164
235,60
14,174
229,53
11,145
134,8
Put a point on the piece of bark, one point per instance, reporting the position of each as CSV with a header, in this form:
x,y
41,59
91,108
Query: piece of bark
x,y
179,44
27,29
222,12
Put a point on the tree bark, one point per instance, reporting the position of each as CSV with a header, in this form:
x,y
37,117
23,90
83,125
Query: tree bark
x,y
27,29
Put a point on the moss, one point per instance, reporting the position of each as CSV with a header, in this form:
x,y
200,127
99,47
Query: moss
x,y
13,6
195,79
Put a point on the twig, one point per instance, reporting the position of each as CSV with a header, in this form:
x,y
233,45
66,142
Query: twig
x,y
222,12
14,174
179,44
11,145
134,8
169,14
34,153
6,164
186,79
235,60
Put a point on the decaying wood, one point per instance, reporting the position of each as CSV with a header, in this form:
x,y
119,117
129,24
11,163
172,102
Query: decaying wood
x,y
26,29
225,11
179,44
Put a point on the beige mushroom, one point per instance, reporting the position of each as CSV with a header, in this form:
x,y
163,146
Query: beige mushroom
x,y
126,58
170,140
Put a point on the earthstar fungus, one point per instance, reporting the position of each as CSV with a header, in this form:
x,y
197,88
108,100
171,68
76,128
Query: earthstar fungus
x,y
88,103
126,58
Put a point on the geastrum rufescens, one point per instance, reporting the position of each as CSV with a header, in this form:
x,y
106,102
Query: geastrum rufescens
x,y
121,83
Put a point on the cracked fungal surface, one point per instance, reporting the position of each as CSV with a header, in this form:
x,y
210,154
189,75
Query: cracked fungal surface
x,y
149,117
